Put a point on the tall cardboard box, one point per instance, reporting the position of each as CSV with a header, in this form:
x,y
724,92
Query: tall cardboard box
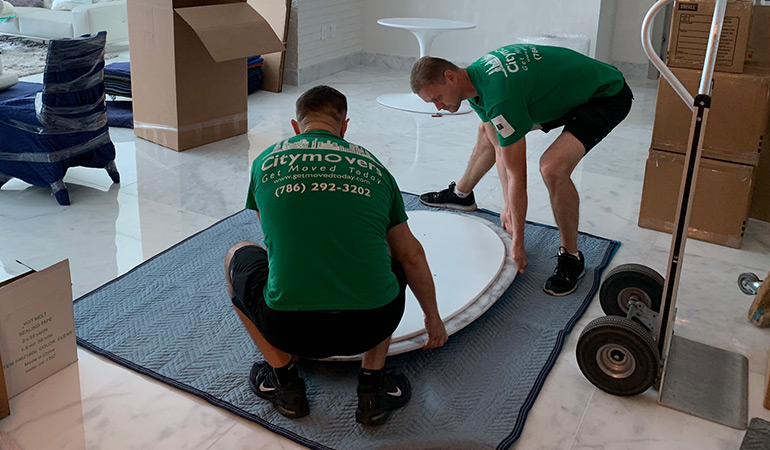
x,y
721,204
690,26
738,118
188,68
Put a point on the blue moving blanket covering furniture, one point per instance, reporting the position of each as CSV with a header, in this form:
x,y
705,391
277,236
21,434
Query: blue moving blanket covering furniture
x,y
63,126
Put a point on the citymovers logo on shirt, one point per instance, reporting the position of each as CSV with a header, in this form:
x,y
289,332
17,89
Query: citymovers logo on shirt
x,y
333,161
508,61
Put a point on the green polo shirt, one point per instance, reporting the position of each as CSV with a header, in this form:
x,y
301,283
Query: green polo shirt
x,y
522,85
326,206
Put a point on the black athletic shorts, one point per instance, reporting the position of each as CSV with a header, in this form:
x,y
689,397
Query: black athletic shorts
x,y
311,334
592,121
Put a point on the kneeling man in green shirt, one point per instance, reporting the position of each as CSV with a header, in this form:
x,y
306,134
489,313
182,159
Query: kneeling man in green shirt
x,y
338,255
514,90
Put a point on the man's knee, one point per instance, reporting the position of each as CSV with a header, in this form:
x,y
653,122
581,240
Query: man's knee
x,y
234,248
553,171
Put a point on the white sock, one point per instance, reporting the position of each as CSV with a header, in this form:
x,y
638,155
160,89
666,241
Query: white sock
x,y
576,255
461,194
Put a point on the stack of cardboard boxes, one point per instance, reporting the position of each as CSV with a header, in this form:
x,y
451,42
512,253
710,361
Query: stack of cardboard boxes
x,y
733,181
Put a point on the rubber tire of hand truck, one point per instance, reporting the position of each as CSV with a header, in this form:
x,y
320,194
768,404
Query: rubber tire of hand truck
x,y
630,282
618,356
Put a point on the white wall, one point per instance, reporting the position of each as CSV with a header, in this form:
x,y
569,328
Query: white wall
x,y
606,31
498,22
351,30
626,42
344,35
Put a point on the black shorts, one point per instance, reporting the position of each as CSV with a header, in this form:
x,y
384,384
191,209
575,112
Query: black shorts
x,y
592,121
311,334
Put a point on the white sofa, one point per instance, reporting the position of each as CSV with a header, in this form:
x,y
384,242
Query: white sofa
x,y
43,23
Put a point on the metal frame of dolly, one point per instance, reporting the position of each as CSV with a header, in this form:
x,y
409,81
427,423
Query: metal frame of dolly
x,y
634,347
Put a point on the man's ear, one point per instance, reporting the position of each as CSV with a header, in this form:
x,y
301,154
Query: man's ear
x,y
295,125
344,128
450,76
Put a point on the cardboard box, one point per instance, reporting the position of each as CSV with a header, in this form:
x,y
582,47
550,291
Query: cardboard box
x,y
5,407
690,26
760,199
738,117
188,68
721,204
276,13
758,51
766,403
37,326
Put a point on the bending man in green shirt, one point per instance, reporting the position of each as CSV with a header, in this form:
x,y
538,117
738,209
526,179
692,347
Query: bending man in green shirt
x,y
516,89
338,255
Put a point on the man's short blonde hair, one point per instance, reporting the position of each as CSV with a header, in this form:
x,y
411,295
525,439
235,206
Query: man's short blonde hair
x,y
429,70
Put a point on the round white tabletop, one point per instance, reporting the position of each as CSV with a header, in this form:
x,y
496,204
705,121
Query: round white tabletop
x,y
465,256
470,274
425,23
425,30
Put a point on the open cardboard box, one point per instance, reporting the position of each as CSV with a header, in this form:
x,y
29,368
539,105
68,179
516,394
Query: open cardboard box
x,y
188,68
276,13
37,328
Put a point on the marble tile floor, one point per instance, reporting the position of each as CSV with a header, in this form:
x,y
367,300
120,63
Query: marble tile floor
x,y
167,196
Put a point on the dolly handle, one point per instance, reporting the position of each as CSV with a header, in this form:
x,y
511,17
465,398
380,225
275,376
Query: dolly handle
x,y
711,51
656,60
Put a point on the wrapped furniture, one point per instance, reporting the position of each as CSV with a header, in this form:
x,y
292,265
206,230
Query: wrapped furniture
x,y
63,126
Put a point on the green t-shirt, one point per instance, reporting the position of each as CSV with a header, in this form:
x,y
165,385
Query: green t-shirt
x,y
325,207
522,85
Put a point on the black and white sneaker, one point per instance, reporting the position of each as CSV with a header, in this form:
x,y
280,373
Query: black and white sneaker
x,y
448,199
375,403
289,400
569,269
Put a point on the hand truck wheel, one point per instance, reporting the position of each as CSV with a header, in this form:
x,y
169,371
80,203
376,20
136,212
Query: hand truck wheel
x,y
630,282
618,356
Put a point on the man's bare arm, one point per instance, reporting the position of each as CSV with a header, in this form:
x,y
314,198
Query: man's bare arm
x,y
514,158
408,251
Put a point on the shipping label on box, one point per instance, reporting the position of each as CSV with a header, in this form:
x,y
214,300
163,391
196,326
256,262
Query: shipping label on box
x,y
690,31
37,326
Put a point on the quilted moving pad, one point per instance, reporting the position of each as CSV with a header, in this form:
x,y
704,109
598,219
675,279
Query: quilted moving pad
x,y
170,318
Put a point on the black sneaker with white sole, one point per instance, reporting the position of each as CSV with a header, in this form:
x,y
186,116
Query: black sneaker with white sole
x,y
448,199
569,269
289,400
375,403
